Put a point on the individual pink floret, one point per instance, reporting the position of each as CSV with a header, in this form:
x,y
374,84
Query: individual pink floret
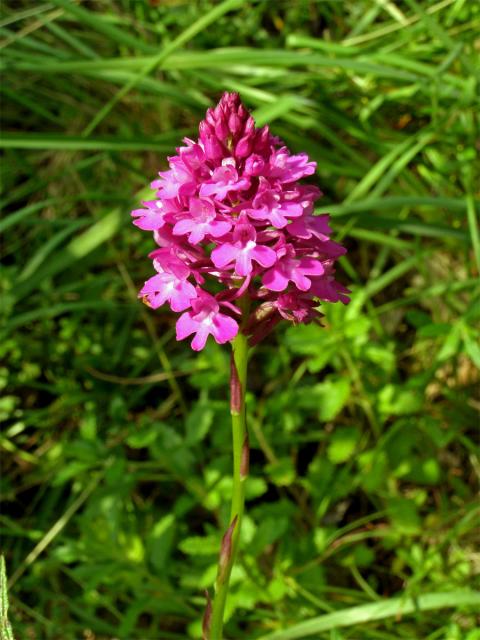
x,y
201,220
223,181
205,319
291,306
151,218
308,226
269,205
290,269
166,287
178,181
243,250
328,288
287,168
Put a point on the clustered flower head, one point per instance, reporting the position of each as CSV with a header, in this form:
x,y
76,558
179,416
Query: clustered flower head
x,y
231,220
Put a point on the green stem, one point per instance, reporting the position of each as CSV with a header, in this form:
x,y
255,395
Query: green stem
x,y
240,465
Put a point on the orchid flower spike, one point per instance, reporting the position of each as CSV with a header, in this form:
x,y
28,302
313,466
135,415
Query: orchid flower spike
x,y
231,209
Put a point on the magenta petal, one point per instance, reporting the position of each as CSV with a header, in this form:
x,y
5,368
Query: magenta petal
x,y
208,189
198,233
311,267
258,214
278,220
154,291
155,299
275,280
243,263
183,226
299,228
187,189
200,338
319,224
185,326
218,228
264,255
301,281
224,328
329,289
292,209
223,255
202,210
182,296
148,219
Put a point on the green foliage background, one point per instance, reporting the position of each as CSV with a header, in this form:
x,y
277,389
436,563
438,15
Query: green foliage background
x,y
116,446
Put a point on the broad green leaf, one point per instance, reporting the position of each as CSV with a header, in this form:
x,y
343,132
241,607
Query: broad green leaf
x,y
160,542
342,444
281,472
199,422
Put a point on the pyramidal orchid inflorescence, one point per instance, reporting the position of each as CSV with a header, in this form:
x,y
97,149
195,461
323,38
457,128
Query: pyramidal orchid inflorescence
x,y
231,220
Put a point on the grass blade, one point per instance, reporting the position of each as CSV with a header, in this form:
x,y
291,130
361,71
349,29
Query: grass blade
x,y
97,23
396,202
393,607
473,228
203,22
161,144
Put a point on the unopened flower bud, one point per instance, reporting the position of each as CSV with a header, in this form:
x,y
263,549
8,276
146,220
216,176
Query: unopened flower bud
x,y
205,129
244,147
234,123
210,117
221,129
213,148
264,134
249,125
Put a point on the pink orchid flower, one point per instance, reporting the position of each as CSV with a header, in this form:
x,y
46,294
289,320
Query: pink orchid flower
x,y
205,319
201,221
243,250
230,212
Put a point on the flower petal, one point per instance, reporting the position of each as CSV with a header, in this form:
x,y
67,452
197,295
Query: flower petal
x,y
224,328
243,263
183,226
200,338
185,326
275,280
224,254
218,228
264,255
182,295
